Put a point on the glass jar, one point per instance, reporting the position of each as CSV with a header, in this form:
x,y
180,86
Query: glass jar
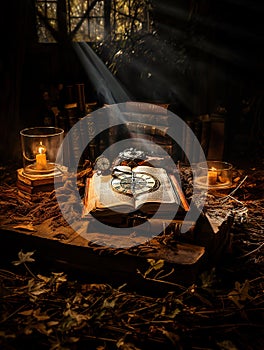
x,y
39,148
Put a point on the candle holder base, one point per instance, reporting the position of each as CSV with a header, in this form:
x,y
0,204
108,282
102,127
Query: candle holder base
x,y
30,185
202,183
32,169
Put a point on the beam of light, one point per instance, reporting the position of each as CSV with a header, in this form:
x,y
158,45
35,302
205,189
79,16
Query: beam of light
x,y
106,85
234,35
162,84
161,80
206,21
172,10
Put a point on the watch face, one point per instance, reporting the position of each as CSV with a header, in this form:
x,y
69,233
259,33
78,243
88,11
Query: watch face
x,y
102,163
135,184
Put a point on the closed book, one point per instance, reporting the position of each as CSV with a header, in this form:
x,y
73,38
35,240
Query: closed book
x,y
37,180
34,189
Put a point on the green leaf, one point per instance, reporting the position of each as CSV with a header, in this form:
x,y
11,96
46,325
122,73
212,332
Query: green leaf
x,y
154,265
174,313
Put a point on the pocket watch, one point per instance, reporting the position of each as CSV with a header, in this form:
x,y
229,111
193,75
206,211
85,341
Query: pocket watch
x,y
102,164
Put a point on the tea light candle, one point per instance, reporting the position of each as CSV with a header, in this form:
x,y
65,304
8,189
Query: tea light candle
x,y
212,176
41,161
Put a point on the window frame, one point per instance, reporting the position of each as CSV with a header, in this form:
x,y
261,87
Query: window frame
x,y
59,28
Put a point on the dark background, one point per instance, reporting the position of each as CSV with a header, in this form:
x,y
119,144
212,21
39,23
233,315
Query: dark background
x,y
204,54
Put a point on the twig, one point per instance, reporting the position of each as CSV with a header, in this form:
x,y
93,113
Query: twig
x,y
231,194
30,272
13,313
252,252
228,325
161,281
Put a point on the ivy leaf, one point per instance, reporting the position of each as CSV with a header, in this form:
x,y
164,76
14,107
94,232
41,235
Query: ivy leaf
x,y
174,313
208,278
154,265
23,258
240,294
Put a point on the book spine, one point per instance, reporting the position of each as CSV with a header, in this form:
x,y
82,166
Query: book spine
x,y
146,118
141,107
35,189
178,190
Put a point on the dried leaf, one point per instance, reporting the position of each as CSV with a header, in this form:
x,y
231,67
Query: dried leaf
x,y
121,344
44,278
109,304
226,345
23,258
41,327
6,336
26,312
174,338
52,323
39,316
73,339
28,331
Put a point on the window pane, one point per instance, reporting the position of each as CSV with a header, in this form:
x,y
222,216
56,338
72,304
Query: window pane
x,y
98,9
77,8
125,18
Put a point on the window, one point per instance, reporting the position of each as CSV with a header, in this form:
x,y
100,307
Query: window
x,y
91,20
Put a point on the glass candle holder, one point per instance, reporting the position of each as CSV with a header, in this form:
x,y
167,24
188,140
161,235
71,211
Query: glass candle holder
x,y
219,174
39,147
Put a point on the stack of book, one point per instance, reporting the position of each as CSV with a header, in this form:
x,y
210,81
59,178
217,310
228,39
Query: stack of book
x,y
30,185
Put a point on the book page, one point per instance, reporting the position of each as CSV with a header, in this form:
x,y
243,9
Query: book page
x,y
107,197
164,194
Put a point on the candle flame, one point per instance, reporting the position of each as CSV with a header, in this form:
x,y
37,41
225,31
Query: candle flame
x,y
41,148
213,169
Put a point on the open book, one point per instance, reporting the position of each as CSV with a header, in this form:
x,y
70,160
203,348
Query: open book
x,y
143,189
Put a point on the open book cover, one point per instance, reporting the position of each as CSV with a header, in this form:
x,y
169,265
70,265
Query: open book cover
x,y
142,189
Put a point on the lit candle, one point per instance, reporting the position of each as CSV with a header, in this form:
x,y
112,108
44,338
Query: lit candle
x,y
212,176
41,161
